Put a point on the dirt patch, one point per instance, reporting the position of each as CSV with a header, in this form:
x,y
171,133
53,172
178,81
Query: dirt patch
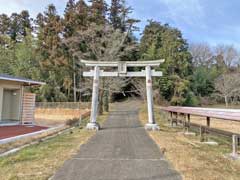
x,y
53,117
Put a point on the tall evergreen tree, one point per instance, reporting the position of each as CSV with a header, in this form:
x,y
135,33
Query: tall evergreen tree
x,y
51,57
4,24
119,16
25,23
82,15
98,10
69,18
39,21
75,19
115,14
7,55
14,26
163,41
17,26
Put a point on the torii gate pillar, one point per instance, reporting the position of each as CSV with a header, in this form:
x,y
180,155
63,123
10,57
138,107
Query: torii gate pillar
x,y
151,125
94,107
122,72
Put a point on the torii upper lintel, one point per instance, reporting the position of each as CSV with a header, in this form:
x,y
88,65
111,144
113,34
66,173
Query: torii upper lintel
x,y
128,63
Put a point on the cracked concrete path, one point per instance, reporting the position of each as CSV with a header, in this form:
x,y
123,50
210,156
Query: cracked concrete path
x,y
121,150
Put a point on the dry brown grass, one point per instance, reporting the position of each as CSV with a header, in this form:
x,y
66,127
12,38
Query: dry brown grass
x,y
195,161
53,117
231,126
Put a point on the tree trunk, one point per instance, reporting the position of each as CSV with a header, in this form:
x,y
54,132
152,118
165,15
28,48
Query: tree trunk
x,y
74,82
100,105
226,101
106,100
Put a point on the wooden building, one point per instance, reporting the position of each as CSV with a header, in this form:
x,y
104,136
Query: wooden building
x,y
16,104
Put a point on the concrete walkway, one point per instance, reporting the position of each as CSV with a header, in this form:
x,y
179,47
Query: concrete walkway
x,y
122,150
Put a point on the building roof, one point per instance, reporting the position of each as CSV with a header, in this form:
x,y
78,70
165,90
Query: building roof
x,y
27,82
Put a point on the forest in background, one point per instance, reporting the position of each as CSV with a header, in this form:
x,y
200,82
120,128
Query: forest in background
x,y
48,48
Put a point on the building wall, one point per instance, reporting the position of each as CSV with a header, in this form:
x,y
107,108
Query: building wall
x,y
1,100
28,107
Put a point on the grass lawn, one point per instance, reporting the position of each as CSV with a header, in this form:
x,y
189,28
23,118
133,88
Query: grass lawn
x,y
42,160
195,161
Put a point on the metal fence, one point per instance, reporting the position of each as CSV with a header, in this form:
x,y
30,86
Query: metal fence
x,y
64,105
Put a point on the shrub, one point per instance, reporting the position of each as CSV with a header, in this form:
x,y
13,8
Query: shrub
x,y
72,122
191,100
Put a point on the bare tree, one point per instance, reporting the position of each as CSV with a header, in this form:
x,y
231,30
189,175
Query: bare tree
x,y
227,86
139,87
227,56
202,54
101,43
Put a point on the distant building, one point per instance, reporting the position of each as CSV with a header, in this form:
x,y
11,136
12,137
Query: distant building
x,y
16,105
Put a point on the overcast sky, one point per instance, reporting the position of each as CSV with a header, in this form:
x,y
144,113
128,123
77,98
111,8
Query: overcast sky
x,y
211,21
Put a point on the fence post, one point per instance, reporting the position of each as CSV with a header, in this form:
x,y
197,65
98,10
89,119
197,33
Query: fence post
x,y
185,123
208,126
176,119
171,118
80,120
201,131
208,121
188,126
234,145
183,120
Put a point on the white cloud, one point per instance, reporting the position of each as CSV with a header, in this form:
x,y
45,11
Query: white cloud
x,y
189,12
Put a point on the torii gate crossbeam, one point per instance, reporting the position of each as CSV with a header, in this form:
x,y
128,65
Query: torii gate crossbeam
x,y
122,72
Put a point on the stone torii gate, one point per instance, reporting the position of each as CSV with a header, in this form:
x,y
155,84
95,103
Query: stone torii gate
x,y
122,72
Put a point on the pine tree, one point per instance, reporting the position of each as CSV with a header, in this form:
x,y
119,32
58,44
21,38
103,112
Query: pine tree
x,y
19,25
4,24
39,22
98,10
82,15
69,18
25,23
119,16
7,55
115,14
75,19
14,26
51,56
